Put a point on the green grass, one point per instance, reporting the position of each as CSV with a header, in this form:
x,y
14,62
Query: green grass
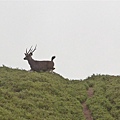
x,y
45,96
105,104
39,96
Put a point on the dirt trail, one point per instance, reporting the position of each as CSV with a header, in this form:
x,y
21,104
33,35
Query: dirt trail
x,y
86,111
90,92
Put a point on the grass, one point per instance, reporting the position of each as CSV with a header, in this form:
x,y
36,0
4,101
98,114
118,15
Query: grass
x,y
38,96
105,104
45,96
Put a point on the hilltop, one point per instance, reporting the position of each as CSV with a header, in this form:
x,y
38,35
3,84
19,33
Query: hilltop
x,y
45,96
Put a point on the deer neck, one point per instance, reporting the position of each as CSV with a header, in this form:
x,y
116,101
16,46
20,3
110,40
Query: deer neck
x,y
30,61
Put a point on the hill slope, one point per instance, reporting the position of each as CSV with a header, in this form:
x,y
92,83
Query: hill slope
x,y
105,103
39,96
46,96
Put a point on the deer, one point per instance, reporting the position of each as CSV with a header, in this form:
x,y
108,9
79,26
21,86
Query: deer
x,y
36,65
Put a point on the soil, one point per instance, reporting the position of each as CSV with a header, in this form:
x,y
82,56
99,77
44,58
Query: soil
x,y
90,92
86,111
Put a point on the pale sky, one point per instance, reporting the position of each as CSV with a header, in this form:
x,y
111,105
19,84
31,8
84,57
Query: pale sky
x,y
83,35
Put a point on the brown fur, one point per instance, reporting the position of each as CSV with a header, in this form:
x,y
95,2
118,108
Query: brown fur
x,y
39,65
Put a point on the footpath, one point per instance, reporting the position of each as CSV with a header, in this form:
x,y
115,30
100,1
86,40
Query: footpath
x,y
86,111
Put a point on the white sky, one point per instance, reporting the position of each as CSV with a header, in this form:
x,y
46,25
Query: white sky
x,y
83,35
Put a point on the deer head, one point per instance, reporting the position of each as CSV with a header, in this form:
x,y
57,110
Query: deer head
x,y
29,53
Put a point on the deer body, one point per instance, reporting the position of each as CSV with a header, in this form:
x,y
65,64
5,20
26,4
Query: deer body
x,y
39,65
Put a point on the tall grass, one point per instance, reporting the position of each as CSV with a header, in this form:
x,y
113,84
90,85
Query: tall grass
x,y
39,96
105,104
45,96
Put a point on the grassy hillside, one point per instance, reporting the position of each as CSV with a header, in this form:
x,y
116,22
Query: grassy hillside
x,y
39,96
105,104
46,96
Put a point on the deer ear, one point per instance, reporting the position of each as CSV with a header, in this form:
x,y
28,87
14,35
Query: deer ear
x,y
31,53
25,53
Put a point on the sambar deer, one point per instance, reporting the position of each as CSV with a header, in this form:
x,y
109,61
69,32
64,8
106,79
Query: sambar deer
x,y
38,66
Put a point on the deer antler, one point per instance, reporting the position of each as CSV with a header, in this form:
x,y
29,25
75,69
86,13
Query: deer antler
x,y
29,50
34,49
26,51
